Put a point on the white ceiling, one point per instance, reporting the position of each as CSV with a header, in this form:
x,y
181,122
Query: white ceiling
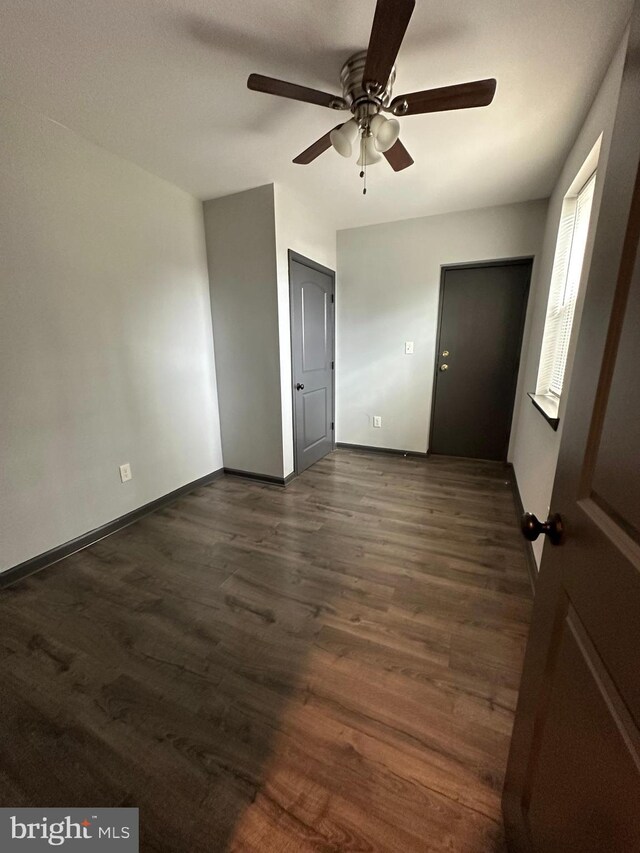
x,y
163,83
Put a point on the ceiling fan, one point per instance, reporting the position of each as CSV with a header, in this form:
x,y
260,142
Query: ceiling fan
x,y
367,81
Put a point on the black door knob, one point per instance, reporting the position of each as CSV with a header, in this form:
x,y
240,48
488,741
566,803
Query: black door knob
x,y
299,387
532,528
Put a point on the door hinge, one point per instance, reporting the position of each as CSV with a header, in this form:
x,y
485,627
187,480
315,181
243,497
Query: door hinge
x,y
332,425
332,298
333,365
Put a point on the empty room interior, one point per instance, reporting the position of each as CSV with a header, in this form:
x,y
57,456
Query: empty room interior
x,y
320,426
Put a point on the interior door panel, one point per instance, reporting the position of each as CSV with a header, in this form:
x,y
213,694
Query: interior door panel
x,y
312,341
482,315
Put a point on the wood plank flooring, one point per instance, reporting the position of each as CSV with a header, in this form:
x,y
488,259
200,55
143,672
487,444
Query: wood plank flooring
x,y
330,667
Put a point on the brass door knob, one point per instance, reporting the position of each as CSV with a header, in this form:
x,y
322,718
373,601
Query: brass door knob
x,y
444,367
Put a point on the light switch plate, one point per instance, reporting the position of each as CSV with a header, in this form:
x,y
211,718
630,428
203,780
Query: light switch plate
x,y
125,472
377,421
408,347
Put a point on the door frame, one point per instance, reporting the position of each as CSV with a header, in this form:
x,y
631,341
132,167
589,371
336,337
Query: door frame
x,y
314,265
521,260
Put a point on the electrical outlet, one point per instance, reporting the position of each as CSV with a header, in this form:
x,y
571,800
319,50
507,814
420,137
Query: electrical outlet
x,y
125,472
377,421
408,347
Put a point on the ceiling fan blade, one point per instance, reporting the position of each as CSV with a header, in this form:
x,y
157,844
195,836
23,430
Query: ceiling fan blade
x,y
260,83
398,157
315,150
460,97
390,23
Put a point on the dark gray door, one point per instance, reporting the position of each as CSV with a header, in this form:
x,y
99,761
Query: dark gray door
x,y
482,311
312,355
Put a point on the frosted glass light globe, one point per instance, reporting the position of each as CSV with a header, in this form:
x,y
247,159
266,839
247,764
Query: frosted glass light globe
x,y
342,138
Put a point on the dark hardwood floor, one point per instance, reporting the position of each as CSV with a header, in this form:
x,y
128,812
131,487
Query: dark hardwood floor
x,y
329,667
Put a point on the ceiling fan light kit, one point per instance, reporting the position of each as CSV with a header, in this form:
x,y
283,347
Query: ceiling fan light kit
x,y
367,80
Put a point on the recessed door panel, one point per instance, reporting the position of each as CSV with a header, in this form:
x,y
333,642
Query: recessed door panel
x,y
616,484
314,416
583,786
315,340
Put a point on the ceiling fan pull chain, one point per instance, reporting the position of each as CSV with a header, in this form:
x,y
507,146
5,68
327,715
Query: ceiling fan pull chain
x,y
363,160
364,156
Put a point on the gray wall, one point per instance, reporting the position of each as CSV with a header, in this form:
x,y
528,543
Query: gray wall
x,y
105,337
241,251
248,238
535,445
298,227
388,290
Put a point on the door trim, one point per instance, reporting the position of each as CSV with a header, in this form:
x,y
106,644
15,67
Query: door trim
x,y
521,260
314,265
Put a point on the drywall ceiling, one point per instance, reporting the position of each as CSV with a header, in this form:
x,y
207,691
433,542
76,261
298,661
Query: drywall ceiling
x,y
163,83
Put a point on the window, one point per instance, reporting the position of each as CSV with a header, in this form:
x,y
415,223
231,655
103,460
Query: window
x,y
564,289
563,295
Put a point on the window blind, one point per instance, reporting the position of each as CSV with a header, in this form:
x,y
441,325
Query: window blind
x,y
563,293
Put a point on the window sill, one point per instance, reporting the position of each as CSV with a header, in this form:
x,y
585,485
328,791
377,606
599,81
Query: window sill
x,y
548,406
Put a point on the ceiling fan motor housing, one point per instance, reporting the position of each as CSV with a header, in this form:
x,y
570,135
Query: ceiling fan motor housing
x,y
354,92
